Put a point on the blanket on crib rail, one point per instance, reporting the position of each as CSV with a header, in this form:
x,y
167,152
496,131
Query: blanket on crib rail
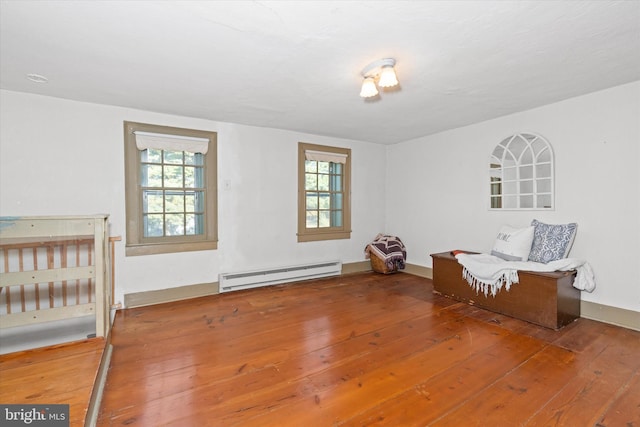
x,y
488,273
388,248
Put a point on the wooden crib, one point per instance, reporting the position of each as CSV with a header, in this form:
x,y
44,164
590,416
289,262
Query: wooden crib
x,y
54,268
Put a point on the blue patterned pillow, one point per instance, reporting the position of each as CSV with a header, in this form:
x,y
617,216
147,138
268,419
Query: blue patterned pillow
x,y
551,242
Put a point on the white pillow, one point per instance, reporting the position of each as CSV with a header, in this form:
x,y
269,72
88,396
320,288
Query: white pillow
x,y
513,244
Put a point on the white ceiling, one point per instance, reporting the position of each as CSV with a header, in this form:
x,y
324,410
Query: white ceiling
x,y
296,64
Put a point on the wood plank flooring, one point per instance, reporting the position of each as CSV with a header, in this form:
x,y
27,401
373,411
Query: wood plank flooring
x,y
364,349
59,374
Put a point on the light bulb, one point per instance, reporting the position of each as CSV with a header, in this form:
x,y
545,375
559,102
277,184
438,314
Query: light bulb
x,y
387,77
369,88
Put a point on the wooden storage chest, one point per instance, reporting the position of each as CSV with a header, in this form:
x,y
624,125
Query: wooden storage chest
x,y
546,299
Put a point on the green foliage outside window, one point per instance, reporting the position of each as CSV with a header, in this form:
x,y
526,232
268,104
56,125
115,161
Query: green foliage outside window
x,y
173,193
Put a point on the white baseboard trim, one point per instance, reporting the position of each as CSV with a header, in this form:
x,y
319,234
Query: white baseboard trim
x,y
613,315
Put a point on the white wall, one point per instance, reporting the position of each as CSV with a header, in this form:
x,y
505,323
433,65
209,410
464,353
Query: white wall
x,y
60,157
439,200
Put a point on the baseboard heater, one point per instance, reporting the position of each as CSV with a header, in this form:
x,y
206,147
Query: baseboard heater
x,y
253,279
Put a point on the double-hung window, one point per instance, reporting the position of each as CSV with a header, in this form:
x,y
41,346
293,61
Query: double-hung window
x,y
324,192
170,178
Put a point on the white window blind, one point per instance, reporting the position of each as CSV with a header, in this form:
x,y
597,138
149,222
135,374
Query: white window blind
x,y
324,156
146,140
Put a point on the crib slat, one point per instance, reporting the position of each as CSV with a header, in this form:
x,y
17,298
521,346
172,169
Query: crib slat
x,y
37,285
89,262
21,268
6,289
77,246
63,264
53,275
50,265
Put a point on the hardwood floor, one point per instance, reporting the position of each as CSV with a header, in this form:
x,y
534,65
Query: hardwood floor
x,y
364,349
59,374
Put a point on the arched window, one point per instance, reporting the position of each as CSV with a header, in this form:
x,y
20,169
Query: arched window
x,y
521,173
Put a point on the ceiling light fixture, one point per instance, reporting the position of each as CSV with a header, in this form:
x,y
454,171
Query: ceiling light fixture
x,y
383,71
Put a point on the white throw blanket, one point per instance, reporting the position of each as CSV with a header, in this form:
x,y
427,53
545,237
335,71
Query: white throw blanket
x,y
488,273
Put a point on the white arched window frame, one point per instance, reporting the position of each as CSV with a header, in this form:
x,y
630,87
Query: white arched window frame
x,y
521,174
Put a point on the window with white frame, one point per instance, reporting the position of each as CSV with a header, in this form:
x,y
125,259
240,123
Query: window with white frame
x,y
171,190
324,192
521,173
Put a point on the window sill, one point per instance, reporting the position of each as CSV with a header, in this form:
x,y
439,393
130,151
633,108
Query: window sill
x,y
330,235
166,248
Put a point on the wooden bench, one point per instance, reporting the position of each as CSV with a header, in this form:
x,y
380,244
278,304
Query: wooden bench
x,y
546,299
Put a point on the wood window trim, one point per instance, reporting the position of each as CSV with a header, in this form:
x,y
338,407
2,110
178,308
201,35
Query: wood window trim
x,y
135,244
332,233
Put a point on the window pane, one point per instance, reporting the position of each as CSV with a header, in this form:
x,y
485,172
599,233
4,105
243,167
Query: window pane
x,y
543,171
324,201
189,177
199,224
189,158
190,201
152,225
336,183
323,167
324,219
312,201
151,176
323,182
526,202
509,174
496,188
336,168
190,224
509,202
311,181
544,185
152,202
174,201
526,187
509,188
174,224
174,157
337,201
545,156
517,146
336,218
526,172
152,155
544,201
200,198
312,219
310,166
199,177
173,176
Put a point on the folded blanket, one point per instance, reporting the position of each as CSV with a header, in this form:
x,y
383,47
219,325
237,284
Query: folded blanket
x,y
388,248
488,273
